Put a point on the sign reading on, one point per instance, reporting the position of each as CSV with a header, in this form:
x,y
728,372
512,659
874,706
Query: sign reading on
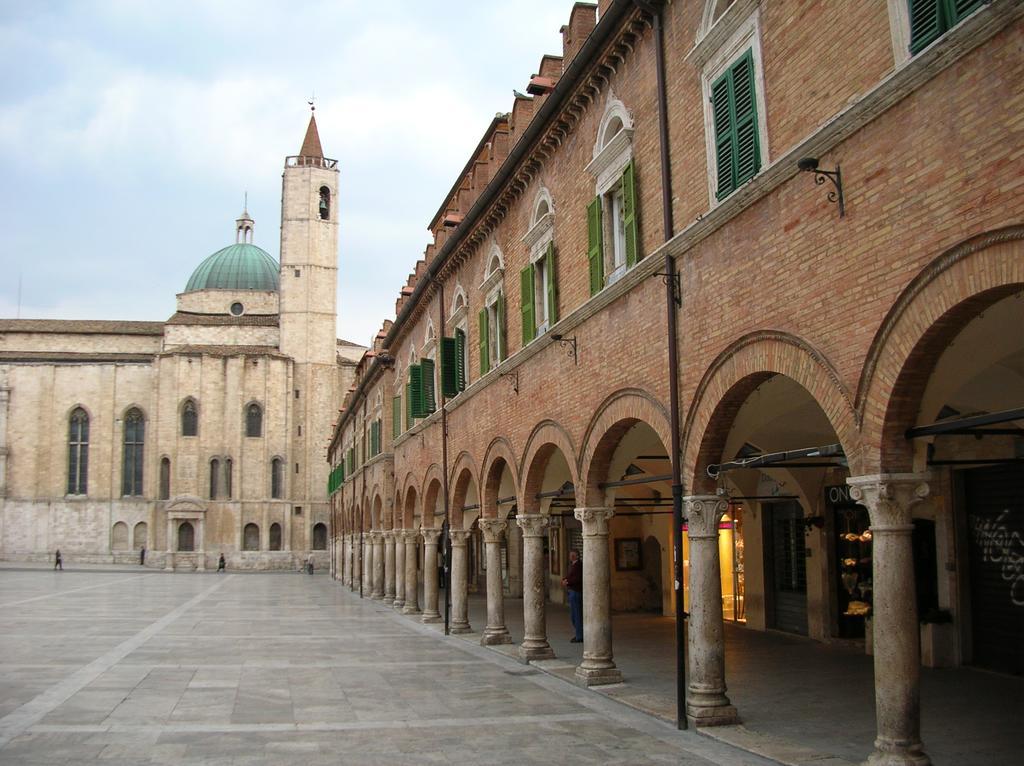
x,y
838,496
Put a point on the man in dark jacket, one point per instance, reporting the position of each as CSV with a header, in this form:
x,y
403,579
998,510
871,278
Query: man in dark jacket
x,y
574,582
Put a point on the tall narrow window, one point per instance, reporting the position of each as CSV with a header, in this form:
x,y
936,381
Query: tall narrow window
x,y
737,145
228,477
325,203
165,478
214,478
189,418
131,462
276,478
275,536
78,452
254,420
320,537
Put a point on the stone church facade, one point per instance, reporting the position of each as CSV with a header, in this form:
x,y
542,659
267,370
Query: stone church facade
x,y
194,437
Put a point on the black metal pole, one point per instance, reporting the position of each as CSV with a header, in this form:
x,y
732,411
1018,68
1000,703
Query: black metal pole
x,y
446,539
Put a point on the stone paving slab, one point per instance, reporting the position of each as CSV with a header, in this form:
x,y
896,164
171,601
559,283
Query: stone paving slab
x,y
114,668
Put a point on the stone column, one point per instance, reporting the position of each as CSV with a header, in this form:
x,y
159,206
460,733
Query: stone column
x,y
389,567
890,499
495,632
367,573
169,563
457,581
5,397
706,703
399,601
597,666
535,639
412,595
201,552
346,560
357,561
430,594
378,566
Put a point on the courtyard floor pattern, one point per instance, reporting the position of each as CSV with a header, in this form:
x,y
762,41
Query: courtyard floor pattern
x,y
124,668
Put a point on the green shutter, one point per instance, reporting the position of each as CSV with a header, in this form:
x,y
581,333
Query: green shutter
x,y
375,438
724,139
396,417
485,342
427,376
961,9
499,306
595,246
449,367
549,268
460,360
408,403
416,391
737,145
925,23
526,304
629,217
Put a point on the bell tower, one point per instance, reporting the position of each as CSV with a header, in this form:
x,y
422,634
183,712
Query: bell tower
x,y
308,323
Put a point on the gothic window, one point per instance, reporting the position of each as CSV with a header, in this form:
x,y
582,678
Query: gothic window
x,y
228,477
325,203
320,537
78,452
275,536
189,418
254,420
276,478
165,478
214,478
131,463
186,537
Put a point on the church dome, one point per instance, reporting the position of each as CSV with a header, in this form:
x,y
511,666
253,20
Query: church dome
x,y
242,266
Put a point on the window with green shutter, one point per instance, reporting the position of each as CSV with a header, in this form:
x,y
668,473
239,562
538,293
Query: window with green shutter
x,y
484,338
416,391
396,416
930,19
499,311
449,367
409,417
427,377
552,283
737,145
629,216
595,246
526,307
460,360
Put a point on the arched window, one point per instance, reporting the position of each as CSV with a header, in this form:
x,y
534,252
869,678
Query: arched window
x,y
276,478
229,467
140,533
165,478
189,418
251,538
325,203
131,462
186,537
78,452
119,537
320,537
254,420
214,478
275,536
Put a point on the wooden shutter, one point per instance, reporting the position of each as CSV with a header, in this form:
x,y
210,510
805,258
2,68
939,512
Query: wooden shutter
x,y
526,304
460,360
499,306
925,23
427,376
449,367
408,402
595,247
725,149
961,9
552,286
396,417
416,391
629,217
485,343
748,150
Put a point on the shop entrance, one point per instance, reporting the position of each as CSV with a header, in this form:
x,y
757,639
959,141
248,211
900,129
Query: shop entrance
x,y
786,569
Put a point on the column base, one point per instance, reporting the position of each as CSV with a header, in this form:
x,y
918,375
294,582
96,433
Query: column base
x,y
535,650
410,609
460,627
598,676
495,637
398,604
201,561
377,596
723,715
431,617
891,754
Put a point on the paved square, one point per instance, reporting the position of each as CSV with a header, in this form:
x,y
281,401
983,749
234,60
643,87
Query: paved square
x,y
153,668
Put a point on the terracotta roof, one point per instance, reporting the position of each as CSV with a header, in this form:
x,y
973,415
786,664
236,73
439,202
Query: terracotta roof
x,y
82,326
70,357
311,143
251,320
226,351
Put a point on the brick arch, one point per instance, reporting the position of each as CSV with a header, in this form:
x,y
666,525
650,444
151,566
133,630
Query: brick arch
x,y
396,511
409,509
431,490
464,471
546,437
933,309
375,510
498,450
734,375
616,415
409,485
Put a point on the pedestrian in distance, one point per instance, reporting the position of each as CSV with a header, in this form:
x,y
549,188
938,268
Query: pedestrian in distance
x,y
221,564
310,564
58,562
573,581
142,556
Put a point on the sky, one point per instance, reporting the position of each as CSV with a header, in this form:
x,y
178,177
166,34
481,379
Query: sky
x,y
131,130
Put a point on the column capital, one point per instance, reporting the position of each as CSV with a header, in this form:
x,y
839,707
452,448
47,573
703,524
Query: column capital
x,y
703,512
459,537
492,529
430,535
533,524
410,535
594,520
376,535
389,534
890,498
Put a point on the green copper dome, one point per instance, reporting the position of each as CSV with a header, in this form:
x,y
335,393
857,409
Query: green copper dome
x,y
242,266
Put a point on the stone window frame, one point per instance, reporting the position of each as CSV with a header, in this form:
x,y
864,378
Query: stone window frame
x,y
78,485
611,155
132,482
493,288
246,411
458,320
744,33
164,488
181,417
277,476
537,239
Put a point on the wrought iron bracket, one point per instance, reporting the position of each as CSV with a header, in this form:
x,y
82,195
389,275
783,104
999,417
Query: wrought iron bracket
x,y
810,165
512,378
569,344
677,288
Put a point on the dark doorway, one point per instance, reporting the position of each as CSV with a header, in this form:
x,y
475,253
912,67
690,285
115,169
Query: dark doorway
x,y
786,566
186,537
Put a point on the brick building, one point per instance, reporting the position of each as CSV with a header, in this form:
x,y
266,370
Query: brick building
x,y
712,255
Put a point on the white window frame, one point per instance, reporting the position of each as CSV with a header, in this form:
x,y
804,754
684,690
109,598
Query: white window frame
x,y
537,239
611,155
746,35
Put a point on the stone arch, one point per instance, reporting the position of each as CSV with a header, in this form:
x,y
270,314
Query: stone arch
x,y
464,474
546,437
430,489
614,110
376,510
396,511
409,511
119,537
319,536
498,455
616,415
734,375
139,535
936,305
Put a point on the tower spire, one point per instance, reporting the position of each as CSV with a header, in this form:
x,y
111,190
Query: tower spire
x,y
311,143
244,225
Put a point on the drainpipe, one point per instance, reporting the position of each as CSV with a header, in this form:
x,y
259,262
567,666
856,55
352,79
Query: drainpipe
x,y
673,299
447,542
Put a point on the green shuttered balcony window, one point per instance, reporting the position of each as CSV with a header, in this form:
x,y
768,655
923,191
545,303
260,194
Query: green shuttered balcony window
x,y
737,143
930,19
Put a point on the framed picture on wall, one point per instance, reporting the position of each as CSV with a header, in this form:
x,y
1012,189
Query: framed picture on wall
x,y
628,554
555,550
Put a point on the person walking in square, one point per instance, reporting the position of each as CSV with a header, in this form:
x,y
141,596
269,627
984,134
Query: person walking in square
x,y
573,581
310,563
58,562
221,564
